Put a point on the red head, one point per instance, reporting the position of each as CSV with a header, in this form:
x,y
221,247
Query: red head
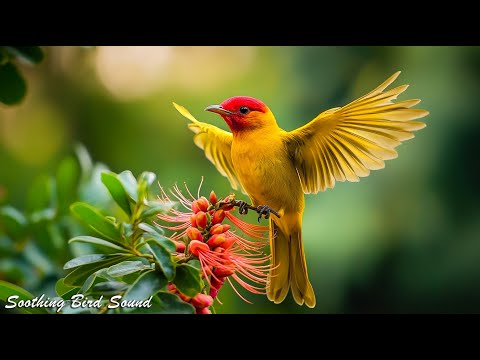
x,y
243,113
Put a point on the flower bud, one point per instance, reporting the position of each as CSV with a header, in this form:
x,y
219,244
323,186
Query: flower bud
x,y
193,220
202,203
184,297
228,242
226,200
214,292
216,240
201,220
180,246
194,234
213,198
204,311
216,282
172,288
218,216
202,301
195,246
223,271
195,207
219,228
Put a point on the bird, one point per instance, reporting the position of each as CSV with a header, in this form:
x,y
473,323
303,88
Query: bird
x,y
276,168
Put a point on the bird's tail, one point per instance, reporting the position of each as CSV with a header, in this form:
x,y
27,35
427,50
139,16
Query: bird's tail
x,y
289,268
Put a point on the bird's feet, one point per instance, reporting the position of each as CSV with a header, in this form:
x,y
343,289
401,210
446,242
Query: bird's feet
x,y
265,210
242,207
262,210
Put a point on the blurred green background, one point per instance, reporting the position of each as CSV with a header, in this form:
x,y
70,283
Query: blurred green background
x,y
405,239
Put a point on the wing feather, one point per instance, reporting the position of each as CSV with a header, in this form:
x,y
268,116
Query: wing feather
x,y
346,143
217,145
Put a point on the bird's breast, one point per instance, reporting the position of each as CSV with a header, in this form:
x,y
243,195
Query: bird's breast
x,y
266,172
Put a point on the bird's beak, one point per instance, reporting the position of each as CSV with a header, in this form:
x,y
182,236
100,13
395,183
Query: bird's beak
x,y
218,109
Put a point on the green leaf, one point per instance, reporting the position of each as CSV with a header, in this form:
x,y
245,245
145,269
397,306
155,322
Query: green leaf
x,y
145,286
12,85
150,229
87,259
196,264
43,215
188,280
61,288
126,267
159,239
84,160
7,247
7,290
118,192
166,303
38,258
146,178
154,208
168,244
13,222
103,274
144,181
164,258
68,174
109,288
92,190
40,194
30,54
129,184
78,276
57,239
88,283
97,241
65,291
94,219
100,274
68,295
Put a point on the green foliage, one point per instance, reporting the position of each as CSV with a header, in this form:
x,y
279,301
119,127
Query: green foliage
x,y
13,221
36,237
7,290
107,247
188,280
12,84
117,189
163,258
145,264
95,220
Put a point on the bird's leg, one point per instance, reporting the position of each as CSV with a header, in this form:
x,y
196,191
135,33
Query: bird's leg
x,y
242,207
265,210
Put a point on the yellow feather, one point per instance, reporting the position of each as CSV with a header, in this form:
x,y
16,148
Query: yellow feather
x,y
346,143
217,145
277,167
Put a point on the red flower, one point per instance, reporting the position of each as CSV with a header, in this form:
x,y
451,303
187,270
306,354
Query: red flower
x,y
201,220
213,198
224,255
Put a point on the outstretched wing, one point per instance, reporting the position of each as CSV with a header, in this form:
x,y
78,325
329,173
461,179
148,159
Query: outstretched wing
x,y
217,145
346,143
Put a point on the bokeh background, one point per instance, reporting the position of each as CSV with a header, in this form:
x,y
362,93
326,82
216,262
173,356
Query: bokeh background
x,y
404,240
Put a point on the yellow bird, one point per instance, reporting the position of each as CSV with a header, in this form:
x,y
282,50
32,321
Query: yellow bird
x,y
276,167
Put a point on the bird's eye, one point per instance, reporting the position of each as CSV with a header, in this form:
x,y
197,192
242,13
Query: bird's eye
x,y
244,110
